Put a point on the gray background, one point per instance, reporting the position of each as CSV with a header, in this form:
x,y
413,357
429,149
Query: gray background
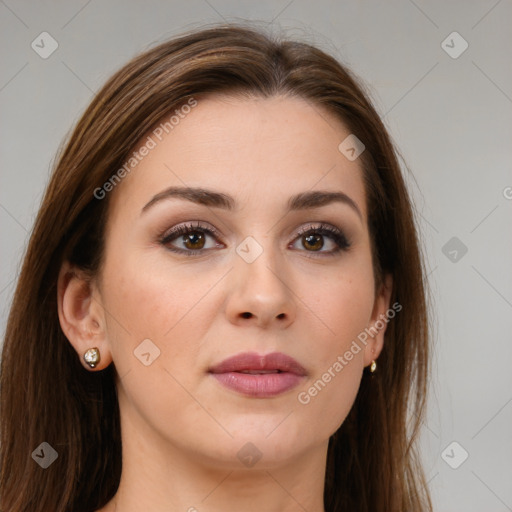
x,y
450,117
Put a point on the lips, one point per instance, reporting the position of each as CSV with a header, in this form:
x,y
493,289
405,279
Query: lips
x,y
260,376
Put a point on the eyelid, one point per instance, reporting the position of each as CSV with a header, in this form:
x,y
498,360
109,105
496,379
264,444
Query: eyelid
x,y
324,228
175,231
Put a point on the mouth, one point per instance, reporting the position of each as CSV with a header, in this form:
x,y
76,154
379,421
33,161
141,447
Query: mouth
x,y
259,376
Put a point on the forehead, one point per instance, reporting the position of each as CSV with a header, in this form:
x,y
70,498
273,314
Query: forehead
x,y
258,150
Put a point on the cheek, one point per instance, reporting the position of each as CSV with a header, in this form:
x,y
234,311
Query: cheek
x,y
344,304
174,308
140,301
150,301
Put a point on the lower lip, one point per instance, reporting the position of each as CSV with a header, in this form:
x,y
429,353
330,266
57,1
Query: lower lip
x,y
263,385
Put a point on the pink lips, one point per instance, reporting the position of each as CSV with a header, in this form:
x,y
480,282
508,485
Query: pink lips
x,y
259,376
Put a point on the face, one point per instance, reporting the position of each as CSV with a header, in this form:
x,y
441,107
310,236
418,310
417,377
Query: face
x,y
192,280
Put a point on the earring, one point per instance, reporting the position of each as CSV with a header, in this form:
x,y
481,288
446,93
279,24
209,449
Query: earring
x,y
92,357
373,366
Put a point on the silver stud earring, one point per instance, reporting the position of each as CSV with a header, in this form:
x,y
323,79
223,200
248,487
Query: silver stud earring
x,y
92,356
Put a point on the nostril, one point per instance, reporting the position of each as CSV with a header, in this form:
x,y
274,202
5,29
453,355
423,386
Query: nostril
x,y
246,315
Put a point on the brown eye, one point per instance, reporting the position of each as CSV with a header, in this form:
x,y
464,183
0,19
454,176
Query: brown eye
x,y
190,239
194,240
324,239
313,242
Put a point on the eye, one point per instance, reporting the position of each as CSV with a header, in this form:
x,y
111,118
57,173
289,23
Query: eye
x,y
312,238
192,238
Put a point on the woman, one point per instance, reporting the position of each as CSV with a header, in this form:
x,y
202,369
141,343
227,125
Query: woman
x,y
222,304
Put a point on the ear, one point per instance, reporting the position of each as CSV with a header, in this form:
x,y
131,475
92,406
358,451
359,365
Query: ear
x,y
379,321
81,314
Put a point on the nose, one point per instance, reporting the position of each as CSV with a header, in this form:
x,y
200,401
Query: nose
x,y
261,292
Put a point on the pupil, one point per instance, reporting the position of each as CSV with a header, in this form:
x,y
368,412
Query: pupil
x,y
311,239
193,239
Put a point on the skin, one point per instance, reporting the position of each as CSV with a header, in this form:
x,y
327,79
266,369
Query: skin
x,y
182,430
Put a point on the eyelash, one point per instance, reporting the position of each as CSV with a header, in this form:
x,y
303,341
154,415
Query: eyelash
x,y
323,229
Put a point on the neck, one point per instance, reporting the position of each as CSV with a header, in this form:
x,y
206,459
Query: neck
x,y
158,476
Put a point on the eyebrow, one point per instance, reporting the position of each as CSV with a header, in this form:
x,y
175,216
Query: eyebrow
x,y
302,201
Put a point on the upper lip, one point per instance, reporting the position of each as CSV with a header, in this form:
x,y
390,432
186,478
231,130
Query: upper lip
x,y
253,361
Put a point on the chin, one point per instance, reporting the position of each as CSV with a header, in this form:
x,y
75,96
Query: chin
x,y
258,447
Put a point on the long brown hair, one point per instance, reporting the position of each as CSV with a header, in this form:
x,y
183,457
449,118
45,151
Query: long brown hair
x,y
46,394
